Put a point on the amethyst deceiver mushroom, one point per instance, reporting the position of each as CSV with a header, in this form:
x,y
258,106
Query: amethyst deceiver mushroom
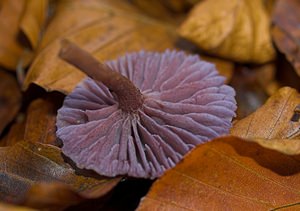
x,y
140,114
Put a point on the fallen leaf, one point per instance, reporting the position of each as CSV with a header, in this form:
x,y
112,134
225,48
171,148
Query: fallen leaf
x,y
286,146
15,16
33,19
233,29
228,174
157,9
106,31
40,121
278,118
10,98
11,207
54,196
26,164
276,124
15,133
286,32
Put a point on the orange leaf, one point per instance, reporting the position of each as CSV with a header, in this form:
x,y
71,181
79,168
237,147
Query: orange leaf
x,y
108,29
40,121
228,174
233,29
26,164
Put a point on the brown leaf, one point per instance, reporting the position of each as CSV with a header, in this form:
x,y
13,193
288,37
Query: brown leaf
x,y
278,118
228,174
276,124
233,29
17,15
108,29
286,146
33,19
40,122
10,99
26,164
286,33
16,132
10,207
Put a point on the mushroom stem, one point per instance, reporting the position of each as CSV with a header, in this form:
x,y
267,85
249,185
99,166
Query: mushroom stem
x,y
129,96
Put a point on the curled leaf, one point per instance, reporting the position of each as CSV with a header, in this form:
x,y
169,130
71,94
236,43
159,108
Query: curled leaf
x,y
278,118
233,29
276,124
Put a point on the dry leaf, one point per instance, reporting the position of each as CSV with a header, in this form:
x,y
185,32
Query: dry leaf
x,y
228,174
167,10
10,207
26,164
276,124
18,15
286,32
108,29
286,146
10,99
33,19
40,121
233,29
16,132
278,118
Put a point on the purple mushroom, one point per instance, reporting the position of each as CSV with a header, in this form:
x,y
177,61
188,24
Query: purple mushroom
x,y
140,114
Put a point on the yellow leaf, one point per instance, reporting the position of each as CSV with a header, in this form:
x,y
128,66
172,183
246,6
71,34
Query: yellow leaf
x,y
233,29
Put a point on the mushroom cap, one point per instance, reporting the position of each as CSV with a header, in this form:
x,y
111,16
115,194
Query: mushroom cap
x,y
186,103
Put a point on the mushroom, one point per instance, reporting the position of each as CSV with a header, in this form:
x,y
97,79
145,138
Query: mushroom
x,y
140,114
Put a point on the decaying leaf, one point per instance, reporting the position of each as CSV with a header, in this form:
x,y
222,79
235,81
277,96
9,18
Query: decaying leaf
x,y
228,173
278,118
26,164
233,29
19,16
10,98
106,31
40,121
286,34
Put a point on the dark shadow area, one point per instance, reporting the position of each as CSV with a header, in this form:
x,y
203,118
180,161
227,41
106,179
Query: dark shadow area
x,y
284,165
